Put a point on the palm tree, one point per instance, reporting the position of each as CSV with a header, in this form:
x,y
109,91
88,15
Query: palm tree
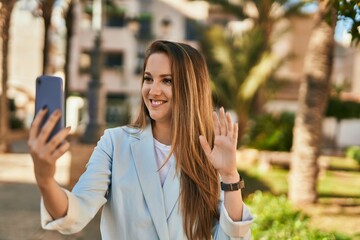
x,y
46,8
237,69
6,8
313,96
241,64
72,12
70,21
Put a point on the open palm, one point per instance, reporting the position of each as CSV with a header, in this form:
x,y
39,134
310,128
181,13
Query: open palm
x,y
223,154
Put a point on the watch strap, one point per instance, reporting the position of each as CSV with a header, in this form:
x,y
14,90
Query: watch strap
x,y
233,186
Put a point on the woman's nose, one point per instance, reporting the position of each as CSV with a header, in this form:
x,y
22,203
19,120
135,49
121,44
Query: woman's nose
x,y
155,89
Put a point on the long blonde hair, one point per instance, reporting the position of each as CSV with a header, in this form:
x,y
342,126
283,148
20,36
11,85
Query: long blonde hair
x,y
191,116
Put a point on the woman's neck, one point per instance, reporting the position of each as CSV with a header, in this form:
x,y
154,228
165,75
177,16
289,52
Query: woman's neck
x,y
162,132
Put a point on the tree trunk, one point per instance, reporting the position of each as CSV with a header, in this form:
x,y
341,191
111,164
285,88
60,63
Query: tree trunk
x,y
46,8
72,46
313,95
5,16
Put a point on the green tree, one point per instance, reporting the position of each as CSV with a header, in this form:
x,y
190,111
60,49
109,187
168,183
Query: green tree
x,y
242,64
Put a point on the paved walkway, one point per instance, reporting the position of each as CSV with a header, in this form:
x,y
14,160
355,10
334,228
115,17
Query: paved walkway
x,y
20,197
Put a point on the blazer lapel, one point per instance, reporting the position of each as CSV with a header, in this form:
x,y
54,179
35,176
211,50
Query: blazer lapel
x,y
144,157
171,189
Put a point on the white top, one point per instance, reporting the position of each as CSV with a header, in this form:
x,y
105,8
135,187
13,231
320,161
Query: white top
x,y
161,153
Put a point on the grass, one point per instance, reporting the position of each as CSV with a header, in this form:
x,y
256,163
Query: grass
x,y
338,208
345,164
339,184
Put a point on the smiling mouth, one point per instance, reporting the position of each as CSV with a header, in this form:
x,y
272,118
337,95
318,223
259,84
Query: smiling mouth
x,y
157,102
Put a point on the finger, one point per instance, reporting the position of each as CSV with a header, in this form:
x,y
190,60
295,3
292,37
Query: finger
x,y
216,124
230,124
49,125
54,143
35,125
205,145
63,148
223,127
235,133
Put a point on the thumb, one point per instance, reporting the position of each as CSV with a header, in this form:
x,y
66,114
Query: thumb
x,y
205,145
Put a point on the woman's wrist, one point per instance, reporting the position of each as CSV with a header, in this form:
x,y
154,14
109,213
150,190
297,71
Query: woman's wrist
x,y
230,177
45,183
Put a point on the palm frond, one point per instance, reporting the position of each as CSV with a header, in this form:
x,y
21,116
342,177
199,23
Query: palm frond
x,y
258,76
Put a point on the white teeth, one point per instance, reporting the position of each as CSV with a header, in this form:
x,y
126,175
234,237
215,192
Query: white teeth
x,y
156,102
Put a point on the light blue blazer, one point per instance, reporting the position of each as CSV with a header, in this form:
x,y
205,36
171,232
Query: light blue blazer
x,y
122,176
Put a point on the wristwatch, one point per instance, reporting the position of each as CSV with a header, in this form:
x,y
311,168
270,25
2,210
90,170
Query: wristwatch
x,y
233,186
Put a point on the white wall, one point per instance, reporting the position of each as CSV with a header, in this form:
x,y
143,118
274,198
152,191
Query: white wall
x,y
25,53
349,133
162,11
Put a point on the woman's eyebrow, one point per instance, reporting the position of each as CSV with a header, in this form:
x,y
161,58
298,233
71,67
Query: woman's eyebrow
x,y
166,75
161,75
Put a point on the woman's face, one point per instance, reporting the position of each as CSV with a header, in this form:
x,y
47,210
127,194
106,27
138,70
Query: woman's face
x,y
157,87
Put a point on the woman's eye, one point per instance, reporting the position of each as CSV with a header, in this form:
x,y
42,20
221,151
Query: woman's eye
x,y
168,80
147,79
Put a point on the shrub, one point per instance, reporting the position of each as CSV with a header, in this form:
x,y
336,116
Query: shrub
x,y
271,132
16,123
340,109
276,219
354,153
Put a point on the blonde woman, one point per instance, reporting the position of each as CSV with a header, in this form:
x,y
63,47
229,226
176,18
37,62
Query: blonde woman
x,y
169,175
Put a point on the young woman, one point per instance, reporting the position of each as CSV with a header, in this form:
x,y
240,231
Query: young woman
x,y
160,177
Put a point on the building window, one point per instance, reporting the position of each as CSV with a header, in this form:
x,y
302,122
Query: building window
x,y
192,29
111,60
114,60
145,32
115,15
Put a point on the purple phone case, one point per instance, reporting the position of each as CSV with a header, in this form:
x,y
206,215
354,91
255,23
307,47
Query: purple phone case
x,y
49,93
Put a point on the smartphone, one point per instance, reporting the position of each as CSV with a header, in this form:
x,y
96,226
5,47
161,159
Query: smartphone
x,y
50,94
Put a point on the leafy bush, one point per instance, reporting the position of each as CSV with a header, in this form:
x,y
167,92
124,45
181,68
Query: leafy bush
x,y
274,218
16,123
354,153
271,132
340,109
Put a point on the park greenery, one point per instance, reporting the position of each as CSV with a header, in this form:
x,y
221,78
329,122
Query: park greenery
x,y
272,132
275,218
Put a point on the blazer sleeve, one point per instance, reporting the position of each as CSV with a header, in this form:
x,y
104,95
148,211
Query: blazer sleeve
x,y
89,193
226,228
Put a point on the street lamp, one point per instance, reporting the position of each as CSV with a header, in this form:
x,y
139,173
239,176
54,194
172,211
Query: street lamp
x,y
96,94
134,25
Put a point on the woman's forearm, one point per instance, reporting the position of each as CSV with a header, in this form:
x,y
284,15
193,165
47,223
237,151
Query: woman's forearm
x,y
55,199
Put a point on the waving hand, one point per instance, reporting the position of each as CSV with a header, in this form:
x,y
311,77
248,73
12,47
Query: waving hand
x,y
223,154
